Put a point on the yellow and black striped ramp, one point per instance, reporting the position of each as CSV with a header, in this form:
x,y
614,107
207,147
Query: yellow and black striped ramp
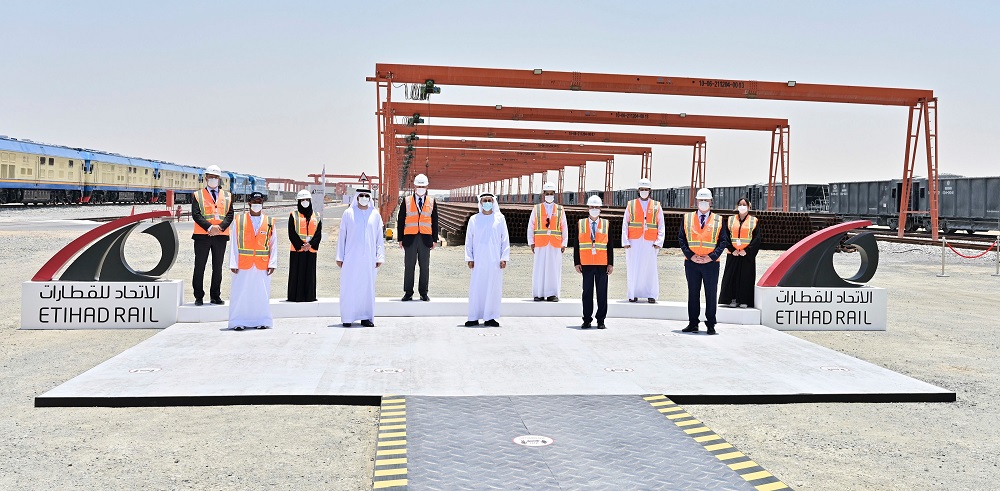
x,y
390,448
749,470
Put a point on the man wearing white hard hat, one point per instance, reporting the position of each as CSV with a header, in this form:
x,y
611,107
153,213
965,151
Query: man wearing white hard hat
x,y
212,213
360,252
417,230
594,257
252,259
703,238
547,237
642,238
305,232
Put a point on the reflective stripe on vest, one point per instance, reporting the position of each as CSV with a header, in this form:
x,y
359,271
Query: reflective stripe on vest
x,y
739,236
551,235
593,252
418,221
644,225
213,210
253,248
305,228
702,241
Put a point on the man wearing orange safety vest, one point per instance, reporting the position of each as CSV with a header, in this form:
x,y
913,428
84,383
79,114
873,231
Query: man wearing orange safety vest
x,y
594,257
548,236
212,213
642,238
703,238
417,232
252,259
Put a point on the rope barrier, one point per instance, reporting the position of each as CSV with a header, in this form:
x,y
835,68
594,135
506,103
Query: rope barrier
x,y
972,257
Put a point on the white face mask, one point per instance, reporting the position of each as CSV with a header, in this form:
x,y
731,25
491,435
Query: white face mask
x,y
487,205
595,213
256,207
742,209
421,191
213,182
364,200
643,194
703,206
550,198
304,203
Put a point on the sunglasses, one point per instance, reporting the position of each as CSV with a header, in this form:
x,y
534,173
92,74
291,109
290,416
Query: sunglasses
x,y
364,196
547,221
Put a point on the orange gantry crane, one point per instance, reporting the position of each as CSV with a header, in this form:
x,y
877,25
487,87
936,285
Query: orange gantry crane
x,y
922,104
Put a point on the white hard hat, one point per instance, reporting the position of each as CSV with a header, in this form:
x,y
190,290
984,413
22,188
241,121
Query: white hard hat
x,y
304,194
644,183
420,180
214,170
595,200
549,186
703,193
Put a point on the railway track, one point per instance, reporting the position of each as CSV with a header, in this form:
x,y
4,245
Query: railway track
x,y
185,212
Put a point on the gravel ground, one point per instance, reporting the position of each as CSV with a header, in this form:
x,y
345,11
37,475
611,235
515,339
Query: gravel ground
x,y
810,446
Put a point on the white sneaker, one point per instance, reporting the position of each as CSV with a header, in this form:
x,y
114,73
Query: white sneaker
x,y
743,305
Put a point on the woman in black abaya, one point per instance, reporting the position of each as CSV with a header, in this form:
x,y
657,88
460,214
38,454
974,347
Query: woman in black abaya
x,y
305,231
741,262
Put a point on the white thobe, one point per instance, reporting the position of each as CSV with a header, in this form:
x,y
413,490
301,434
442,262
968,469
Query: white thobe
x,y
486,243
250,297
546,275
359,245
641,276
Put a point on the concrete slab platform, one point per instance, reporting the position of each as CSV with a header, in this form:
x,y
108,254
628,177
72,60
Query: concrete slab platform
x,y
447,307
315,360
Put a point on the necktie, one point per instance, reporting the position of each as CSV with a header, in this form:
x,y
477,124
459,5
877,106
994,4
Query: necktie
x,y
214,197
703,217
420,205
593,231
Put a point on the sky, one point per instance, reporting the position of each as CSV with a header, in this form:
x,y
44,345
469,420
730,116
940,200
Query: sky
x,y
278,89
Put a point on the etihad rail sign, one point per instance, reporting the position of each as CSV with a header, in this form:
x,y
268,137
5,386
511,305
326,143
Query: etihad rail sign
x,y
802,290
97,289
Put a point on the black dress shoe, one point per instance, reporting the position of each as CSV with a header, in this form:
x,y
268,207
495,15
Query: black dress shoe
x,y
491,323
218,301
199,302
633,300
552,298
238,328
367,323
539,299
600,325
585,325
347,324
652,300
690,329
711,331
471,323
425,298
407,297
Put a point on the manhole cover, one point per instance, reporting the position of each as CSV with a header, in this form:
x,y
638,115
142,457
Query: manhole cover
x,y
489,334
389,370
144,370
617,370
667,334
303,332
836,369
533,441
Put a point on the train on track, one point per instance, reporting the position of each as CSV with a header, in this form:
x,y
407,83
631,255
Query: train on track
x,y
965,204
38,173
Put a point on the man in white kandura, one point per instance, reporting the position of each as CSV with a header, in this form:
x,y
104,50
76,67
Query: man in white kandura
x,y
252,259
360,252
487,250
547,236
642,238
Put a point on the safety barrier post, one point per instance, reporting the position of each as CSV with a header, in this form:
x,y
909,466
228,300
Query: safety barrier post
x,y
944,243
997,271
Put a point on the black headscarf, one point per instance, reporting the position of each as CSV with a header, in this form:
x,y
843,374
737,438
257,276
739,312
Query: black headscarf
x,y
306,212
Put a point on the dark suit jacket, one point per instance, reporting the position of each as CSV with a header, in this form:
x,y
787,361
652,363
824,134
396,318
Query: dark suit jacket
x,y
205,224
407,240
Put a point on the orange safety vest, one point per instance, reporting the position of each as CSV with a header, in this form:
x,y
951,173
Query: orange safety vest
x,y
701,240
418,221
306,228
213,211
253,248
593,252
644,226
552,234
740,237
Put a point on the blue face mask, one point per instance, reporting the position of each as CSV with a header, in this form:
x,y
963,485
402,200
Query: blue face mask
x,y
487,206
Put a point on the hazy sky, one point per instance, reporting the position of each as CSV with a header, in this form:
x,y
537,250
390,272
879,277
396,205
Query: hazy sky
x,y
278,88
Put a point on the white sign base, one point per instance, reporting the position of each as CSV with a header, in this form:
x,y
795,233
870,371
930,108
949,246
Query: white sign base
x,y
822,309
100,304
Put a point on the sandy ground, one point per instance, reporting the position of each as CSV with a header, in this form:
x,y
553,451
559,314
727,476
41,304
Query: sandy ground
x,y
941,330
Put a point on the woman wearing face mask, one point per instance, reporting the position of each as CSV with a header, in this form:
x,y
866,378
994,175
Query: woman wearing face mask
x,y
305,231
741,262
